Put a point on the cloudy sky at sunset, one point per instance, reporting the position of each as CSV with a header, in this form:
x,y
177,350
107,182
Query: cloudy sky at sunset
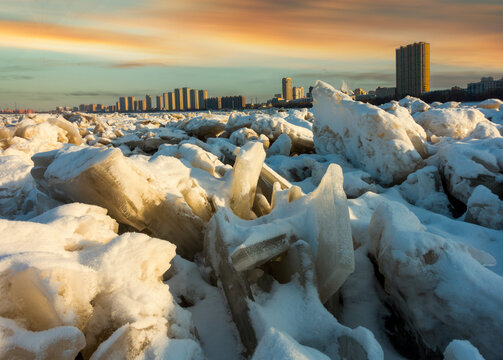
x,y
67,52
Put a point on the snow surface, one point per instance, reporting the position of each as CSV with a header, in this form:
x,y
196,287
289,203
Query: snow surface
x,y
387,146
391,215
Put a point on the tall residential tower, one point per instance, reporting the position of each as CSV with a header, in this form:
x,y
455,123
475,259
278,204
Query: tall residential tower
x,y
194,99
178,100
287,89
413,69
203,95
131,104
122,105
186,99
149,102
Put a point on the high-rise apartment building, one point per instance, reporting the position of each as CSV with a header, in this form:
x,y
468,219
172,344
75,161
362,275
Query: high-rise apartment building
x,y
214,103
165,101
123,104
158,103
130,104
186,98
171,105
298,92
166,98
178,99
194,99
140,105
287,88
149,102
233,102
203,95
413,69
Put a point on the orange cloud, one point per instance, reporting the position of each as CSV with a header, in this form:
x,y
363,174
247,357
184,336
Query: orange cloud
x,y
460,33
276,33
46,36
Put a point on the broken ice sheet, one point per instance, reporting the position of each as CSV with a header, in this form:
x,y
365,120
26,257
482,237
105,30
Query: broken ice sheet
x,y
386,146
132,196
297,268
295,309
245,177
321,219
439,286
335,254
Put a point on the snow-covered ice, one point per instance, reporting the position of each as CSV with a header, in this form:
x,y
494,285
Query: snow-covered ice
x,y
346,231
387,146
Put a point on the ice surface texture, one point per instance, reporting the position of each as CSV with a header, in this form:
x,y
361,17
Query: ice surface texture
x,y
106,178
79,287
441,287
386,146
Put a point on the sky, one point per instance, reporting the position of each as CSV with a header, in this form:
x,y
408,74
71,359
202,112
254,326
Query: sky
x,y
70,52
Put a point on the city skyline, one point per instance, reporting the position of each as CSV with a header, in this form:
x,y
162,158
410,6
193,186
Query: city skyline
x,y
66,53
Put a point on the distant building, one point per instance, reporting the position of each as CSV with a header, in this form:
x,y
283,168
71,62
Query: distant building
x,y
413,69
485,85
233,102
91,108
82,107
186,98
385,92
171,105
123,104
149,102
158,103
165,101
178,99
100,107
287,88
17,111
214,103
359,92
298,92
203,95
276,100
194,99
310,93
130,104
142,105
